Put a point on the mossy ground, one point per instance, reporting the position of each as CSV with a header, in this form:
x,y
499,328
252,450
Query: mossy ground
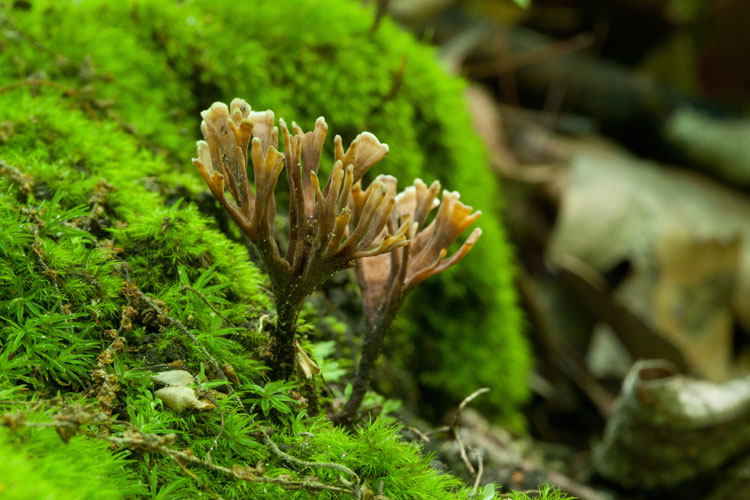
x,y
319,58
69,266
98,205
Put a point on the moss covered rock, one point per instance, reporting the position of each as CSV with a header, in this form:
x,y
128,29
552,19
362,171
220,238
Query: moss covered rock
x,y
110,272
93,299
151,66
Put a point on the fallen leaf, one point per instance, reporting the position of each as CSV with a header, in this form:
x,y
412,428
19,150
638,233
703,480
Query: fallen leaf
x,y
687,240
667,428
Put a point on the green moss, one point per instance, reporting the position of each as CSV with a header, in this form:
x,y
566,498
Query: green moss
x,y
172,60
377,453
100,112
302,63
39,466
73,218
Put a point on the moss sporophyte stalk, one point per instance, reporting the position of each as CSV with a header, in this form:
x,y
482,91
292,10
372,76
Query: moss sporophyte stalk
x,y
331,228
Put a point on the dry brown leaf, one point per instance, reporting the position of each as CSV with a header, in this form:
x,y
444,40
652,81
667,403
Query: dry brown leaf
x,y
687,240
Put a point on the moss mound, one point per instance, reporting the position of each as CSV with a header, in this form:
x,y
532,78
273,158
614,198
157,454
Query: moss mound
x,y
44,469
82,240
108,267
318,58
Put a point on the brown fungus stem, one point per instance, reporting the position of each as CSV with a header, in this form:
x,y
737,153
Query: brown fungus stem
x,y
320,239
387,278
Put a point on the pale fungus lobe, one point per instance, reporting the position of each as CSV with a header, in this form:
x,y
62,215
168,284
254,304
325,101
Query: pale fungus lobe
x,y
325,233
174,378
427,254
177,396
179,399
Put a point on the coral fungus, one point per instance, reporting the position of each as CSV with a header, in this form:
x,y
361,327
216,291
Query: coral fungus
x,y
319,240
386,279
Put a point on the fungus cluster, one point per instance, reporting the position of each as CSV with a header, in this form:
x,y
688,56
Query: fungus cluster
x,y
331,227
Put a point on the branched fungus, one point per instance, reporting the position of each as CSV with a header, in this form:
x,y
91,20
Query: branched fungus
x,y
325,234
386,279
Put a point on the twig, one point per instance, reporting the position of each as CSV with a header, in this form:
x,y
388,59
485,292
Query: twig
x,y
454,427
424,437
178,324
203,297
5,21
480,471
558,355
36,81
38,250
445,428
214,364
188,333
466,401
512,62
244,474
221,430
69,423
462,451
196,478
303,463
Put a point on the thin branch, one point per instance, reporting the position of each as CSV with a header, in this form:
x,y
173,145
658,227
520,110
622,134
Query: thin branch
x,y
214,364
36,81
221,430
242,473
188,333
454,427
513,62
196,478
204,299
178,324
445,428
70,420
303,463
424,437
37,249
480,471
467,400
